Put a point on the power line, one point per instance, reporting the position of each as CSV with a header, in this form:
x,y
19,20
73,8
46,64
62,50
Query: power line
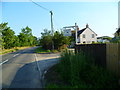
x,y
40,6
51,13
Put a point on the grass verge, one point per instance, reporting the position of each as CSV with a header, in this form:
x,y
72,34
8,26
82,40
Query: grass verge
x,y
41,50
79,71
5,51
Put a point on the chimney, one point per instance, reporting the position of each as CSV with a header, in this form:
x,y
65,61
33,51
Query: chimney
x,y
87,26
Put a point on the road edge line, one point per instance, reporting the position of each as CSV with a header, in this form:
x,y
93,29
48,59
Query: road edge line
x,y
40,72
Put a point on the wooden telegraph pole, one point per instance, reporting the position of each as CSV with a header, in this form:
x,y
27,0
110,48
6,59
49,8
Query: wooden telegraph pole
x,y
51,13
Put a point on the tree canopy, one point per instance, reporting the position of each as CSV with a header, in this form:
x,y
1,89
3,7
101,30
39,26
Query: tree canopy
x,y
58,39
9,39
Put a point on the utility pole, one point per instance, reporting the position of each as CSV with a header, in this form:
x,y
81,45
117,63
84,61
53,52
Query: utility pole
x,y
76,33
52,29
51,13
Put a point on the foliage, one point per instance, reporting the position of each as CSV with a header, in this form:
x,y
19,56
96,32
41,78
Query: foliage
x,y
41,50
12,50
26,37
106,37
79,71
46,40
59,40
8,39
116,40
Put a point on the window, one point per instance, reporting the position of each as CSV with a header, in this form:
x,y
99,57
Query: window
x,y
93,36
83,35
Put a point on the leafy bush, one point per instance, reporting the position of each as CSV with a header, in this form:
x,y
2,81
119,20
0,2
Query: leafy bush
x,y
41,50
79,70
58,39
54,51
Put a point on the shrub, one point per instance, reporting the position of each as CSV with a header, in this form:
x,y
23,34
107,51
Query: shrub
x,y
79,70
48,51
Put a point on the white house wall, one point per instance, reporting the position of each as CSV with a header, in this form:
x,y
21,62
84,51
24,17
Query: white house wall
x,y
88,36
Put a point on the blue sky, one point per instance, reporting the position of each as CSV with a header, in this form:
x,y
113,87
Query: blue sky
x,y
102,17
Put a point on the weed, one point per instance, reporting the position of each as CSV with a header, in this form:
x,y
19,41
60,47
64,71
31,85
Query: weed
x,y
79,71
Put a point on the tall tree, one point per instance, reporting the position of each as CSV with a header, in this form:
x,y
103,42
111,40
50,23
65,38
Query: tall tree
x,y
2,27
26,38
16,42
35,41
8,36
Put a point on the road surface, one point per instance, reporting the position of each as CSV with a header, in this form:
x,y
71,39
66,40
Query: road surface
x,y
25,69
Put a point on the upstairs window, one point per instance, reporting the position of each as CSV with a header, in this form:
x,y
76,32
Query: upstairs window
x,y
83,35
93,35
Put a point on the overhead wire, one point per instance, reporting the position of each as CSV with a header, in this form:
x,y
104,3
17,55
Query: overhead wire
x,y
40,6
56,24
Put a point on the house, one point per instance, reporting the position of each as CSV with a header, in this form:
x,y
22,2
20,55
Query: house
x,y
104,39
86,36
117,33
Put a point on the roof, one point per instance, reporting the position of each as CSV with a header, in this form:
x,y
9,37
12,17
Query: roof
x,y
118,30
80,31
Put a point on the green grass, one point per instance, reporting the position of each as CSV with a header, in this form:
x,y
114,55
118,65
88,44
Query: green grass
x,y
41,50
5,51
79,71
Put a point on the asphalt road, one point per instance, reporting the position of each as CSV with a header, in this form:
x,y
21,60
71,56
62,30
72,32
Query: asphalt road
x,y
25,69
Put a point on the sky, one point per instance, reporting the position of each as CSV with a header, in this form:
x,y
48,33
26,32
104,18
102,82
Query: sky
x,y
102,17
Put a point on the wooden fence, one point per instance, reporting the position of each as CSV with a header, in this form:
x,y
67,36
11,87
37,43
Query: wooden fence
x,y
105,55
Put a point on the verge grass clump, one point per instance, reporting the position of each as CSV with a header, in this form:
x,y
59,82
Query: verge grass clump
x,y
78,70
41,50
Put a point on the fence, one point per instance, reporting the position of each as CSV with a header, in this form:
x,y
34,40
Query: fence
x,y
105,55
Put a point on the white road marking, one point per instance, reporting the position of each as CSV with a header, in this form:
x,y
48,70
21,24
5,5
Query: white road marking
x,y
16,55
37,63
3,62
39,70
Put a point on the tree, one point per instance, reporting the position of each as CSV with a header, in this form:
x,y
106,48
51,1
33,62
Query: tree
x,y
116,38
2,27
59,40
8,36
26,38
35,41
8,39
46,39
16,42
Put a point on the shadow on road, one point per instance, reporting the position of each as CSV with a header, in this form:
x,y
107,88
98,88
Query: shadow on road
x,y
28,76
